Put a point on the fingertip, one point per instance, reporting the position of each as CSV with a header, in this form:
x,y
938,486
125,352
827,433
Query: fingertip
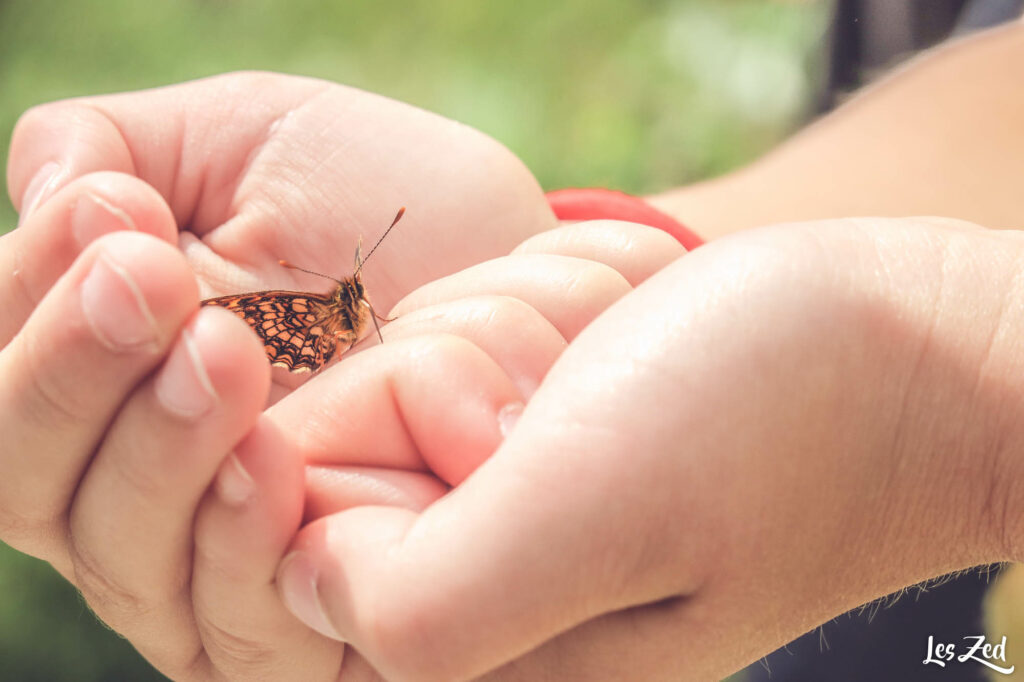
x,y
233,355
298,579
212,363
57,231
635,250
156,268
234,485
335,578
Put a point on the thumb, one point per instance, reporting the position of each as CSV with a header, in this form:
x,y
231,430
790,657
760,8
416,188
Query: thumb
x,y
567,521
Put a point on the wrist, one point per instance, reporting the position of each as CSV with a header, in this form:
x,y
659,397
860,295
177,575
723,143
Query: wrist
x,y
936,363
938,369
991,322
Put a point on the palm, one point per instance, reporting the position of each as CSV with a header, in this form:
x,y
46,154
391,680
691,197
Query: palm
x,y
336,165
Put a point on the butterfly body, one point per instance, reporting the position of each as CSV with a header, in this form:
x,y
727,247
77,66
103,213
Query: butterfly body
x,y
301,331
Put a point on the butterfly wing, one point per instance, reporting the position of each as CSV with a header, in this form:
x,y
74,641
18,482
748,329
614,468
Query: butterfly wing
x,y
300,332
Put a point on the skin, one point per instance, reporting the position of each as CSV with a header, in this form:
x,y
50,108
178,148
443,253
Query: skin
x,y
940,136
173,208
300,178
595,538
744,519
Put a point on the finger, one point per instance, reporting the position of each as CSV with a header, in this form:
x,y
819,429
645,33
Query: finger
x,y
538,541
635,251
429,403
334,488
568,292
131,521
517,337
100,330
155,135
243,527
249,520
44,247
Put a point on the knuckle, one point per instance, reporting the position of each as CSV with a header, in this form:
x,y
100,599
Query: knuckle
x,y
27,533
401,657
230,651
407,640
137,476
37,119
444,346
508,306
590,278
244,79
44,120
48,395
643,241
214,560
504,311
111,601
22,290
239,86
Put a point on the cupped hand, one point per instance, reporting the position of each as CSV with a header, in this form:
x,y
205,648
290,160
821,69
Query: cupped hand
x,y
135,206
397,424
766,433
259,167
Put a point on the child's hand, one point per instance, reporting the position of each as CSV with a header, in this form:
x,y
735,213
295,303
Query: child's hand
x,y
464,356
767,433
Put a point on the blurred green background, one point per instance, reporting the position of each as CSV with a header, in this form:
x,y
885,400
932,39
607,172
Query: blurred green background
x,y
635,95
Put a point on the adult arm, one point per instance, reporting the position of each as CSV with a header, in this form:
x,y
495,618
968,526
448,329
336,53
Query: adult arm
x,y
943,135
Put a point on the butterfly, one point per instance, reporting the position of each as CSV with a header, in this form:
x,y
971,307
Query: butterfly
x,y
301,331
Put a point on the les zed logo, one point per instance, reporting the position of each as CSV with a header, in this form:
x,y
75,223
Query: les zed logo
x,y
981,651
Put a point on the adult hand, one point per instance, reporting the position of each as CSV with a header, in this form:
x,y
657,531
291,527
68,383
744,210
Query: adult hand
x,y
259,167
125,200
768,432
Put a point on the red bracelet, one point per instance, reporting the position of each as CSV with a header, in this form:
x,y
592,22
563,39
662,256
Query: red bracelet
x,y
597,204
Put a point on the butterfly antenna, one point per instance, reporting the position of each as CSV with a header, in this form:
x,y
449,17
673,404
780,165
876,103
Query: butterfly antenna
x,y
288,265
394,222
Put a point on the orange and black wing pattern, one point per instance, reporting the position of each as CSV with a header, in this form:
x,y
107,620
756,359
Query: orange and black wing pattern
x,y
300,332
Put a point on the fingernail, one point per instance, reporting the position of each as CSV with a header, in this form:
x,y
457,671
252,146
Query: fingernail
x,y
508,416
115,308
297,580
39,189
183,387
234,485
94,216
